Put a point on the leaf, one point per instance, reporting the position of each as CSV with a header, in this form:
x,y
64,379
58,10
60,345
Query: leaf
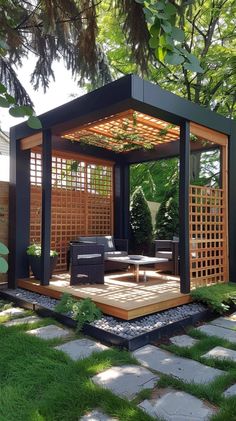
x,y
178,34
34,123
3,249
140,1
159,5
10,98
153,42
170,9
17,111
166,26
3,89
3,265
162,15
27,110
193,67
160,53
3,102
174,59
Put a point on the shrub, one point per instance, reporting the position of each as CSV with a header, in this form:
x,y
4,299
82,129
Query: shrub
x,y
217,297
167,218
83,311
140,222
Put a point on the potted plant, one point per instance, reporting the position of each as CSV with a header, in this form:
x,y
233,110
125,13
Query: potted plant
x,y
34,253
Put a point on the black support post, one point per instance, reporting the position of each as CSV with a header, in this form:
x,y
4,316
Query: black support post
x,y
184,151
121,193
46,206
19,211
232,206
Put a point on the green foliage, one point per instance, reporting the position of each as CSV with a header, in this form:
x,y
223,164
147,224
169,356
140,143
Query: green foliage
x,y
168,40
140,221
83,311
167,218
3,263
35,250
218,297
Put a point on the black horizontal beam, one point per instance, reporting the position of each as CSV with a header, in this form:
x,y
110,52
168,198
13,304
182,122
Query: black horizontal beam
x,y
163,151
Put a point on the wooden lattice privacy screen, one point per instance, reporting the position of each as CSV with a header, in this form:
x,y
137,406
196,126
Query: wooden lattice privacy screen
x,y
82,201
208,221
207,236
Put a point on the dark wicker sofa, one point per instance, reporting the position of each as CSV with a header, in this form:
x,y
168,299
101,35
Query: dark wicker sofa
x,y
113,247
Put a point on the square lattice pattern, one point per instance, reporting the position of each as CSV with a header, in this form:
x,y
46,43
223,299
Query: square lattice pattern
x,y
82,202
208,252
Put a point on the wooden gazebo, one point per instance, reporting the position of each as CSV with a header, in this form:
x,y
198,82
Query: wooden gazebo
x,y
72,178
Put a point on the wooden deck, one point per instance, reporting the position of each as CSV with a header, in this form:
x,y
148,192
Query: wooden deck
x,y
120,296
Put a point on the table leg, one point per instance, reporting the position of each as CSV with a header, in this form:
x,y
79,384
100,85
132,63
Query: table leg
x,y
137,273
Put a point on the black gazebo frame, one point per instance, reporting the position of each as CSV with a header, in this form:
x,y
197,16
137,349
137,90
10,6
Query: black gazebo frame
x,y
129,92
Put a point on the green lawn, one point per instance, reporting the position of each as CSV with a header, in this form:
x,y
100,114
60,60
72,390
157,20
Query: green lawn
x,y
39,383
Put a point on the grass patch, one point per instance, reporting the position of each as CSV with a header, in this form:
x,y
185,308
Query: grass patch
x,y
38,383
218,298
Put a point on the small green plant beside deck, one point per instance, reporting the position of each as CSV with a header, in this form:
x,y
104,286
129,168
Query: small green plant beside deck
x,y
82,311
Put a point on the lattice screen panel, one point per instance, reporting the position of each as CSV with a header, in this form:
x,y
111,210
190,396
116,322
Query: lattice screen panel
x,y
208,237
82,202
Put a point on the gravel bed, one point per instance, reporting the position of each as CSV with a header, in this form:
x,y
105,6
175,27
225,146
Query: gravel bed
x,y
33,297
125,329
146,324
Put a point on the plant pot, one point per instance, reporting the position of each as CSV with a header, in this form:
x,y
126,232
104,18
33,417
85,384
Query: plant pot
x,y
35,265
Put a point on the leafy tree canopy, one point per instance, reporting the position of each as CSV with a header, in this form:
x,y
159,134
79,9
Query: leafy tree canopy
x,y
209,27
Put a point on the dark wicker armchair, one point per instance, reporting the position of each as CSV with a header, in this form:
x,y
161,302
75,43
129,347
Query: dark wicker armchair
x,y
86,264
168,250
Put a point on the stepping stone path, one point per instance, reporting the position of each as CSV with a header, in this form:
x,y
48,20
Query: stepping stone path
x,y
225,322
221,354
183,341
231,391
49,332
22,320
177,406
97,415
184,369
13,311
126,381
81,348
220,332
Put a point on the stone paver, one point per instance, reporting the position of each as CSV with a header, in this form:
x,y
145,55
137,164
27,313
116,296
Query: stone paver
x,y
225,322
177,406
97,415
183,341
81,348
22,320
231,391
126,381
218,331
13,311
221,353
49,332
185,369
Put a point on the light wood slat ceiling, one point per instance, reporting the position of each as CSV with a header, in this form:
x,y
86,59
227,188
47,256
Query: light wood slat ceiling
x,y
124,132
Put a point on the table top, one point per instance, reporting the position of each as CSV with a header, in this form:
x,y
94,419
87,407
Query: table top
x,y
137,260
